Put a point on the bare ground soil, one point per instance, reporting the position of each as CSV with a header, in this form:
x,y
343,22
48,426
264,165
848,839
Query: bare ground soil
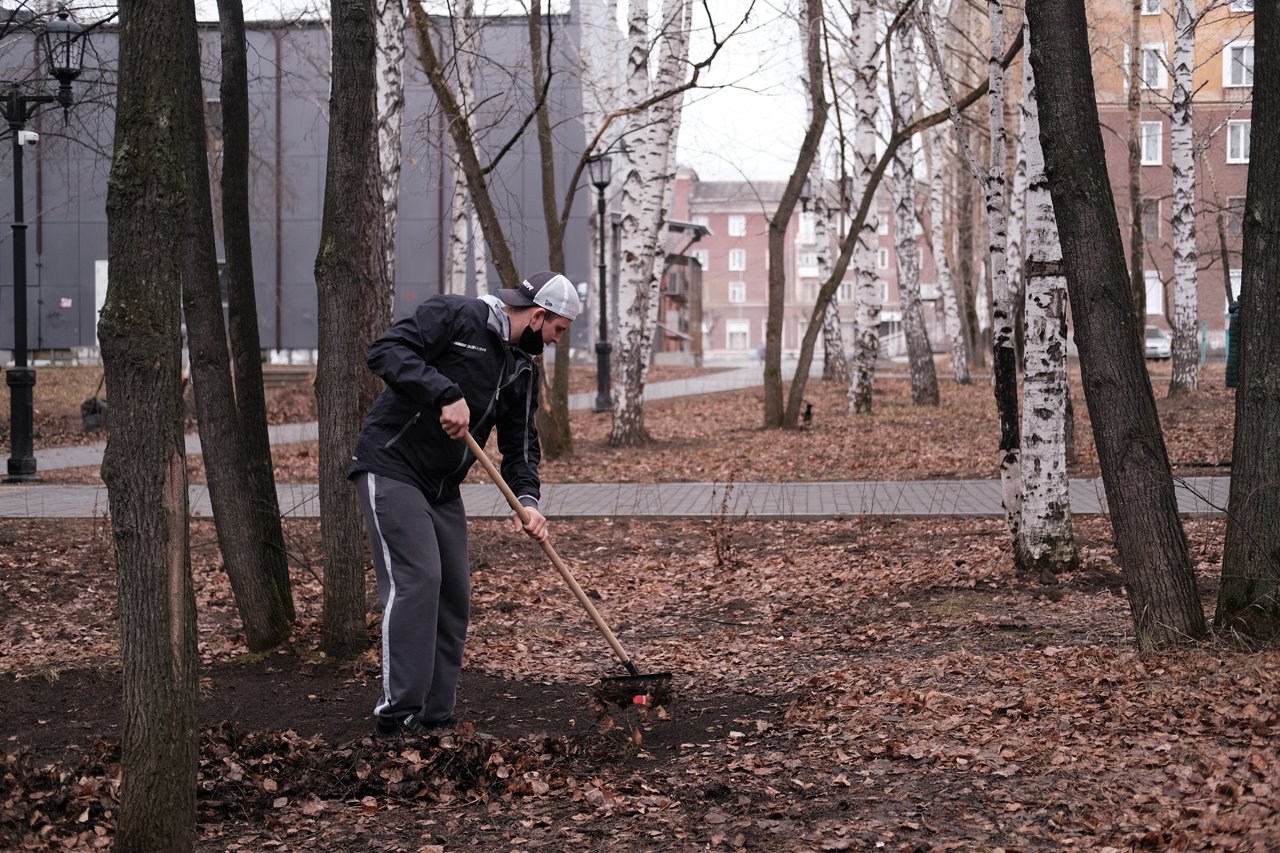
x,y
858,684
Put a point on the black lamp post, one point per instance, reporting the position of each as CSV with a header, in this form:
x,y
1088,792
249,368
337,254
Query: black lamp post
x,y
600,167
64,48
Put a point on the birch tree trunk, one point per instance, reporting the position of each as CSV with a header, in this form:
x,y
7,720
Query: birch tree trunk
x,y
1044,542
465,252
924,377
144,465
1003,355
835,367
646,191
391,21
868,298
1152,545
936,157
1137,240
1186,355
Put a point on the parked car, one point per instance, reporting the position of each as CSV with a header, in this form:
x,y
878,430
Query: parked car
x,y
1159,343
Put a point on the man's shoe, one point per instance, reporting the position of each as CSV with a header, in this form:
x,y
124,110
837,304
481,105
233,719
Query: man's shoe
x,y
409,725
437,725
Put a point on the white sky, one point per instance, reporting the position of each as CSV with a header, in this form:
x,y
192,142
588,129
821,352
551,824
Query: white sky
x,y
747,120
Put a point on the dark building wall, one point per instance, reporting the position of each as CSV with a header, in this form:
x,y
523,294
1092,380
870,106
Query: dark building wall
x,y
66,177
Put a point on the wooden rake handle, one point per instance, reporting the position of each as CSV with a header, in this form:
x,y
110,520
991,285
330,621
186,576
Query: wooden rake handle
x,y
523,512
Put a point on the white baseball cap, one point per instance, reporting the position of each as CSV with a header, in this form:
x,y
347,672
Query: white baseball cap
x,y
549,290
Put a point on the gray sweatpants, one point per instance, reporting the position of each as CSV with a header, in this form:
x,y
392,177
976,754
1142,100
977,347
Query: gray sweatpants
x,y
424,583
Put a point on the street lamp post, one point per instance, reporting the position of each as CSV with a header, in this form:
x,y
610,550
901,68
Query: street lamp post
x,y
600,167
64,47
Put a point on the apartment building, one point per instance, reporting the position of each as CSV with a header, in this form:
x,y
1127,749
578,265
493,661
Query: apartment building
x,y
1222,90
733,260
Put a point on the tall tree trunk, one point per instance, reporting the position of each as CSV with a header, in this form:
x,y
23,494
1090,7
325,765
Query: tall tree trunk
x,y
936,158
646,194
553,411
262,609
1044,542
967,283
775,408
868,300
391,20
1186,353
1003,353
144,466
835,367
924,377
349,264
1137,240
242,314
1135,466
465,246
1249,599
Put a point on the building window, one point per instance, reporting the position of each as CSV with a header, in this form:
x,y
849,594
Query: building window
x,y
882,259
845,294
882,222
736,334
703,257
808,228
807,259
1235,216
1241,5
1237,64
1235,288
1155,292
700,220
1151,217
737,291
1152,136
1154,70
1151,7
737,226
1238,141
737,259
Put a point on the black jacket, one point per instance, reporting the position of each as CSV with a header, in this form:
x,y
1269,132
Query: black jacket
x,y
448,349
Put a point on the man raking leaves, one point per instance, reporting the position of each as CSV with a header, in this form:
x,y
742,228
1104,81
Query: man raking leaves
x,y
456,367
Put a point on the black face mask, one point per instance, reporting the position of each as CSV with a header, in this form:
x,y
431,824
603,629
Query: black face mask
x,y
531,341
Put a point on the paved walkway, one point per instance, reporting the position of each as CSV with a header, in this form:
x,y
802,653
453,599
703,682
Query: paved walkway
x,y
1196,495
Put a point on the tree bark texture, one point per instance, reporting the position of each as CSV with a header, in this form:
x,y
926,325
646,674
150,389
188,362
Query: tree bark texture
x,y
924,376
936,159
349,264
466,247
1248,599
391,18
646,198
1045,542
1137,240
144,465
263,612
259,485
553,411
1186,352
1135,466
868,300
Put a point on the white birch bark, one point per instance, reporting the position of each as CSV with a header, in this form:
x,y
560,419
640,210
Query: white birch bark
x,y
835,367
390,34
1185,376
464,250
868,297
1018,215
936,156
648,182
924,377
1044,541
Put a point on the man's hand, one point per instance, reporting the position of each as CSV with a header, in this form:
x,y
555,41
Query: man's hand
x,y
455,418
536,526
